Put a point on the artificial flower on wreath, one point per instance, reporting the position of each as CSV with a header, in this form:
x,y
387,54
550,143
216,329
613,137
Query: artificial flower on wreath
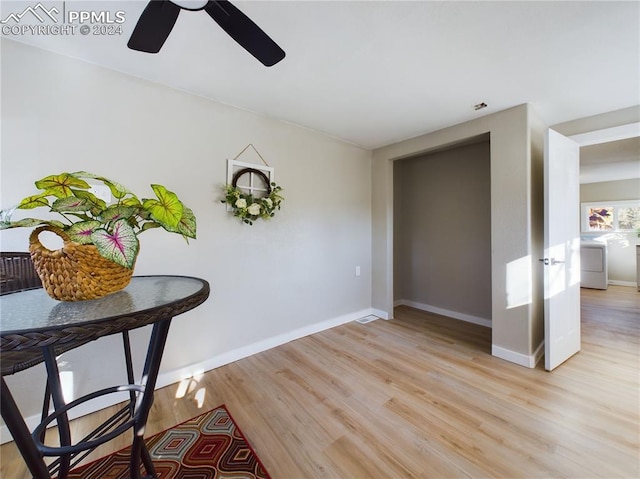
x,y
249,208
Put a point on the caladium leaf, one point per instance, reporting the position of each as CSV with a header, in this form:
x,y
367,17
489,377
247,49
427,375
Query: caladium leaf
x,y
60,185
34,201
117,190
114,213
85,174
149,225
187,224
25,222
70,204
144,214
167,209
131,201
97,203
30,223
56,223
81,232
120,245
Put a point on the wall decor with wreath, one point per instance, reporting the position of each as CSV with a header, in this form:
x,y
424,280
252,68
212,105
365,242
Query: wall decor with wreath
x,y
251,192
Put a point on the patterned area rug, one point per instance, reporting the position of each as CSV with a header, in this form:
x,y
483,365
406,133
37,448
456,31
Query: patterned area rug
x,y
209,446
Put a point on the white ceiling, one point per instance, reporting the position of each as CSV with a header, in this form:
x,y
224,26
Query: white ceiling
x,y
376,72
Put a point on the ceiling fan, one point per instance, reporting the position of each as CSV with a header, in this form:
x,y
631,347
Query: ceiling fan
x,y
159,17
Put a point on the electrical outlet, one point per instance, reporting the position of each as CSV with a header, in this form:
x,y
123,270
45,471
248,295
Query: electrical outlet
x,y
357,270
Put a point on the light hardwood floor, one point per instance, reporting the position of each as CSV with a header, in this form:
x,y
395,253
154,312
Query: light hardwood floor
x,y
421,396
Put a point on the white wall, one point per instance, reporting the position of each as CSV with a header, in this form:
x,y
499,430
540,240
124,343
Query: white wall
x,y
270,282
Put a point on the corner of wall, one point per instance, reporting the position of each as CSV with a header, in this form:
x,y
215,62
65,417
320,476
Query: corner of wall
x,y
527,360
537,130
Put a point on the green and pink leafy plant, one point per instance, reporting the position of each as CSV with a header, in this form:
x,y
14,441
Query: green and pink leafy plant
x,y
113,228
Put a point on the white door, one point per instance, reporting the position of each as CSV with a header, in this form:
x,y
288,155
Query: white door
x,y
561,249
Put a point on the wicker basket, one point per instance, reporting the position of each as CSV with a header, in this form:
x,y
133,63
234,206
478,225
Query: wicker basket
x,y
76,272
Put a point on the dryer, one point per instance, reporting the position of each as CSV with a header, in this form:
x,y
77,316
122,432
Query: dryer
x,y
593,264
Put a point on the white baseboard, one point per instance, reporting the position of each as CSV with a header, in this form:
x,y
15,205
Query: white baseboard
x,y
622,283
170,377
381,314
537,354
444,312
528,361
243,352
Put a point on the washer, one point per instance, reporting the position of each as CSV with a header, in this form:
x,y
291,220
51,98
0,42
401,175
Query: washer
x,y
593,264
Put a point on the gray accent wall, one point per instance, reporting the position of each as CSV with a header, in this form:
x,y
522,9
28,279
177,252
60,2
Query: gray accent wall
x,y
442,230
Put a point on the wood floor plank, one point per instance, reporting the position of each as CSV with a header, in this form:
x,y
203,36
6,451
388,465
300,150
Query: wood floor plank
x,y
421,396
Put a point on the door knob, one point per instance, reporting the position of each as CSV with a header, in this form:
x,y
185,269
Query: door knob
x,y
551,262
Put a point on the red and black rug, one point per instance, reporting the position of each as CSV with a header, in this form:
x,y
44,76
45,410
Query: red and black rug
x,y
209,446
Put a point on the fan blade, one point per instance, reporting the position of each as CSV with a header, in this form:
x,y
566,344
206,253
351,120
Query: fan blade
x,y
245,32
153,27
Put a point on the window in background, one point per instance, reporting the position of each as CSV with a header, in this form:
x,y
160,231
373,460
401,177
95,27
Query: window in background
x,y
611,216
629,218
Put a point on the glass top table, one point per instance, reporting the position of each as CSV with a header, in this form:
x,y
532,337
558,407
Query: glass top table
x,y
35,328
32,311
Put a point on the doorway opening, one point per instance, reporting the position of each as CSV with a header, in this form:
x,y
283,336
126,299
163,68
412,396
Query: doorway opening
x,y
442,231
610,184
605,187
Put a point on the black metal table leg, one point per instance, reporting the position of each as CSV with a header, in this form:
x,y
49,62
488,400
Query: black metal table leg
x,y
55,388
145,400
147,462
146,457
126,343
21,435
45,408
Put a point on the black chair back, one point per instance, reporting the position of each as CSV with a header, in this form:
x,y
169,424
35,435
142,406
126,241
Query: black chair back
x,y
17,272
